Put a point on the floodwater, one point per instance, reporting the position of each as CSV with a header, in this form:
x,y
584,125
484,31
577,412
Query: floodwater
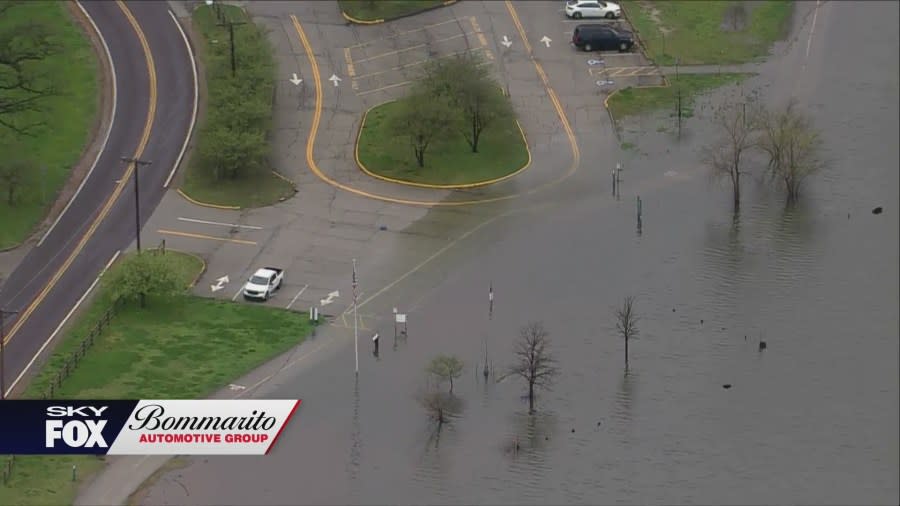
x,y
813,419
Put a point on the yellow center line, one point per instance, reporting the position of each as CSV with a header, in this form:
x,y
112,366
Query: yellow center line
x,y
151,114
203,236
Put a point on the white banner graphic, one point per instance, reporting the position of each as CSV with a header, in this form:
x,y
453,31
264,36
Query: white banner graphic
x,y
203,427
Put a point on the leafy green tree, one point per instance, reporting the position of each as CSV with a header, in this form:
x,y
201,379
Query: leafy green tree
x,y
422,119
14,176
473,94
445,368
231,154
141,274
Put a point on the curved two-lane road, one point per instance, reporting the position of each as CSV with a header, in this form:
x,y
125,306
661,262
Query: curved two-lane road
x,y
154,78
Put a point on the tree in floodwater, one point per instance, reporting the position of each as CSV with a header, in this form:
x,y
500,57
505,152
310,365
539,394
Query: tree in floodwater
x,y
793,146
726,156
534,362
445,368
626,323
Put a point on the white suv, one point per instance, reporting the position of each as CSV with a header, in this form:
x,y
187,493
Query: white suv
x,y
592,9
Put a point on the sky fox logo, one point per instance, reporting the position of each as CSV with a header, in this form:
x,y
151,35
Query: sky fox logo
x,y
76,433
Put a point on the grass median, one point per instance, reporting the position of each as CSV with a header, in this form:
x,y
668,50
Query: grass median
x,y
230,165
709,32
635,101
64,119
448,161
375,10
180,347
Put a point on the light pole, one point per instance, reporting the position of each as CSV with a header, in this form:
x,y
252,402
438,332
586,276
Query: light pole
x,y
3,353
137,200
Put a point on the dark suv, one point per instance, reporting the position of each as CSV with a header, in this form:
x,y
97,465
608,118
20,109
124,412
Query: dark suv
x,y
602,38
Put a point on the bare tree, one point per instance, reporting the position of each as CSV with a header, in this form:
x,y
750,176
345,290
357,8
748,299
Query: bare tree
x,y
626,323
793,146
534,363
736,16
726,156
445,368
440,406
23,45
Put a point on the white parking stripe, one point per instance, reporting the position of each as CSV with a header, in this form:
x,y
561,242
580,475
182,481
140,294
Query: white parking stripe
x,y
296,296
235,225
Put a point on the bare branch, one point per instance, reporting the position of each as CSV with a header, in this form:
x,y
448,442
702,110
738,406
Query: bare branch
x,y
534,363
725,157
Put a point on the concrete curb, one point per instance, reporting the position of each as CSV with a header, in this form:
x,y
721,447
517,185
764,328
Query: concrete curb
x,y
356,21
464,186
204,204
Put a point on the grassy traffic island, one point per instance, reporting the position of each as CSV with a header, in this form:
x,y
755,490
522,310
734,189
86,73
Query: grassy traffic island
x,y
31,175
177,347
375,11
636,101
230,165
710,32
449,160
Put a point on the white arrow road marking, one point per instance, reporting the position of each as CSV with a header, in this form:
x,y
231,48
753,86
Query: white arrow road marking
x,y
335,79
295,80
296,296
220,284
236,387
506,42
331,296
546,40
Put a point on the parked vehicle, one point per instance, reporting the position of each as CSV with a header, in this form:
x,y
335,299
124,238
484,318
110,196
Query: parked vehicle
x,y
592,9
263,283
602,38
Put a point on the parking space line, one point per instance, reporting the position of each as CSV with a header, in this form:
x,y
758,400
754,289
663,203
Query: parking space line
x,y
296,296
351,71
388,87
233,225
400,34
417,46
238,292
477,28
420,62
203,236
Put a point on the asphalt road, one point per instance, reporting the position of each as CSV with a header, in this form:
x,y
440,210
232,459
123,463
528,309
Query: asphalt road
x,y
154,104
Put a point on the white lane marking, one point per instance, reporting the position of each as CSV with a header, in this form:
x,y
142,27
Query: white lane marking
x,y
190,131
812,29
238,292
233,225
115,94
296,296
60,326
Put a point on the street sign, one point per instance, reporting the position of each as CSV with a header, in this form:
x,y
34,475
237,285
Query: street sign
x,y
401,318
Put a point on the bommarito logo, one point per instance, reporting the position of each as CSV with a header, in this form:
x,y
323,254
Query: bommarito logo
x,y
153,417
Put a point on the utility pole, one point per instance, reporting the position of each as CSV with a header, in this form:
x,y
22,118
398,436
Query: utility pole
x,y
231,24
137,200
3,353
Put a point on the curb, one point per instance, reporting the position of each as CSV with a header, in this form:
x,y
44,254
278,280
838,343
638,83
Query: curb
x,y
464,186
284,178
202,262
355,21
204,204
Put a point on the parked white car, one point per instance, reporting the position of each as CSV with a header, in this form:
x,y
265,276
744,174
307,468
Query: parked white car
x,y
263,283
592,9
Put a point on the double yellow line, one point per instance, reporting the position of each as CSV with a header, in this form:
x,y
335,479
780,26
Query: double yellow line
x,y
151,114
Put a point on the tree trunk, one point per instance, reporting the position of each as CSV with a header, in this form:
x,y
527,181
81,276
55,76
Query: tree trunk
x,y
420,157
530,397
451,384
626,352
475,133
737,192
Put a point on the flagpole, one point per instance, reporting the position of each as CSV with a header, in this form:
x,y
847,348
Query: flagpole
x,y
355,321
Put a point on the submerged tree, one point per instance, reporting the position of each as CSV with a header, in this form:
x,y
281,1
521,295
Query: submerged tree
x,y
726,156
534,362
626,323
793,146
445,368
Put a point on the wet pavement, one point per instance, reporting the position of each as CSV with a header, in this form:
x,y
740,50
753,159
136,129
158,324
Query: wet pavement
x,y
812,419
